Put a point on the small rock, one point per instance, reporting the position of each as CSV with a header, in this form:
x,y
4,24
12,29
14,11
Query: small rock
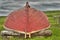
x,y
48,33
7,33
45,33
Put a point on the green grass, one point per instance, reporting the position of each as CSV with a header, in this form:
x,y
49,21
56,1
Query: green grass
x,y
54,27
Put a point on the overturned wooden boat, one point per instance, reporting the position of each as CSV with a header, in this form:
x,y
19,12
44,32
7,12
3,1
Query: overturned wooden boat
x,y
27,21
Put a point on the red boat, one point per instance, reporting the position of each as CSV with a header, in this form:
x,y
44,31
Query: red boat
x,y
27,20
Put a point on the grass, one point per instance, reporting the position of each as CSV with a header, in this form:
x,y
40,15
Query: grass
x,y
54,27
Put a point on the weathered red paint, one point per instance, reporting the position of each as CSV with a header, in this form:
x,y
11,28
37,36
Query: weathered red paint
x,y
27,20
